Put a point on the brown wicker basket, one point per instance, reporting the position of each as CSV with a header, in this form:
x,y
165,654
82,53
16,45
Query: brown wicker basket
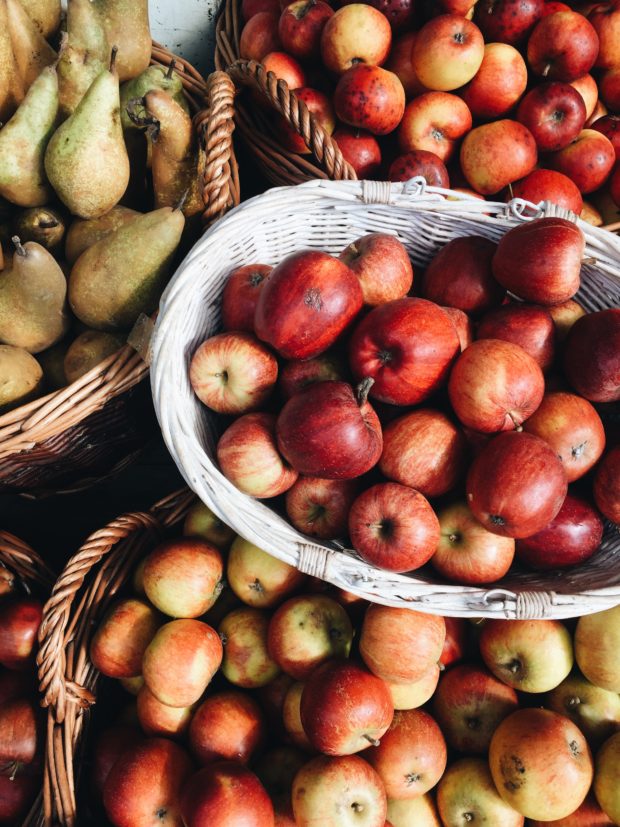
x,y
68,680
73,437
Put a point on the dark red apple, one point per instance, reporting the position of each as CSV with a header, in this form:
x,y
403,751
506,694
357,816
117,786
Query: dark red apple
x,y
516,485
371,98
463,325
527,325
587,160
609,86
297,374
455,644
563,46
251,7
507,21
240,295
420,163
225,793
227,726
260,36
555,113
609,126
306,303
20,618
360,149
407,347
398,12
301,25
548,185
16,685
319,507
18,732
592,356
109,746
17,794
607,485
381,263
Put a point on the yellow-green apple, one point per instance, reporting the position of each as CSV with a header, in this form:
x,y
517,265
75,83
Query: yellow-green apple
x,y
306,631
587,88
415,694
496,154
507,21
248,456
412,755
225,793
398,12
285,68
180,661
590,214
183,577
301,25
546,777
399,62
297,374
597,642
469,704
144,785
605,18
257,578
592,356
341,791
588,160
251,7
355,34
447,52
434,121
400,645
596,711
240,295
555,113
609,87
607,777
589,814
407,347
360,149
498,84
306,303
609,125
394,527
468,553
19,730
529,655
604,203
528,325
119,644
247,662
550,251
460,275
420,163
202,522
319,106
607,485
369,97
563,46
227,726
260,36
157,718
564,316
466,793
132,685
548,185
20,618
319,507
291,717
382,265
420,811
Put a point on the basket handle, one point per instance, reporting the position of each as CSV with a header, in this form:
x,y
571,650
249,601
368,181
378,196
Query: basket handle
x,y
25,563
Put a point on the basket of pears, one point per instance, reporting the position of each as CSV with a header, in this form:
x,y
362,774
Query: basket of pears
x,y
113,156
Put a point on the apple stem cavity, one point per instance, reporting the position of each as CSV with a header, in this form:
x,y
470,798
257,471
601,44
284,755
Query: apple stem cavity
x,y
371,740
573,701
359,808
497,519
514,666
363,389
468,816
255,279
257,586
412,777
161,814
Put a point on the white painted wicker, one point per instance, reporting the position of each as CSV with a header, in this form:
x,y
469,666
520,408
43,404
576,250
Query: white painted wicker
x,y
328,215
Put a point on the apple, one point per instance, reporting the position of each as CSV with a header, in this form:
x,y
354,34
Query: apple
x,y
592,356
496,154
247,662
144,785
605,18
251,7
369,97
271,697
285,68
7,582
241,293
590,214
563,46
527,325
17,794
564,316
360,149
227,726
393,527
306,303
596,711
587,88
597,638
498,84
225,793
109,746
257,578
606,786
407,347
420,811
399,62
549,185
356,34
157,718
555,113
398,12
297,374
122,637
545,777
609,125
551,6
259,36
180,661
301,25
455,644
201,522
609,86
587,160
248,456
420,163
20,618
291,717
19,731
382,265
507,21
132,685
447,52
434,121
601,109
318,105
415,694
400,645
319,507
276,770
469,704
412,755
466,793
540,261
460,276
589,814
463,325
607,485
306,631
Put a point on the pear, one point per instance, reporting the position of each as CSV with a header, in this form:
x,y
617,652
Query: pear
x,y
23,142
52,363
83,234
44,225
11,85
126,24
83,56
45,14
21,377
88,350
155,77
32,51
123,275
86,160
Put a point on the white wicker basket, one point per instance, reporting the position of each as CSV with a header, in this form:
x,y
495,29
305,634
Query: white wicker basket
x,y
328,215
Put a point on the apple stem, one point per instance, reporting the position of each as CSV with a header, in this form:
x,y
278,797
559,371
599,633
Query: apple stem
x,y
573,701
589,260
516,423
371,740
357,807
468,816
440,666
546,70
223,638
514,666
363,389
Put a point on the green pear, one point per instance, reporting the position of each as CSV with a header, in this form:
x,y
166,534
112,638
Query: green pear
x,y
83,234
88,350
86,160
21,377
44,225
32,51
23,142
83,56
155,77
11,85
45,14
123,275
33,299
126,24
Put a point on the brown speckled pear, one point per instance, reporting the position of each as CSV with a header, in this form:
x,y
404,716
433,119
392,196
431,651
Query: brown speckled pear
x,y
11,85
45,14
21,377
88,350
83,56
32,51
84,233
126,24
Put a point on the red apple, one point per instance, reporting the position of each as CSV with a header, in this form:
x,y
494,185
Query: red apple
x,y
564,316
467,791
434,121
360,149
605,18
507,21
420,164
516,485
271,698
119,644
18,732
240,295
528,325
318,105
225,793
247,662
297,374
496,154
587,88
549,185
563,46
355,34
573,428
158,719
407,347
285,68
609,85
592,356
609,125
306,303
540,261
551,6
607,485
398,12
109,746
381,263
259,36
319,507
257,578
463,325
399,62
301,25
17,794
227,726
20,618
587,160
498,84
455,644
251,7
447,52
555,113
369,97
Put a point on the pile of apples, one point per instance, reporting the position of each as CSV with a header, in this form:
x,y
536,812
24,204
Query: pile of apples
x,y
284,701
441,427
483,94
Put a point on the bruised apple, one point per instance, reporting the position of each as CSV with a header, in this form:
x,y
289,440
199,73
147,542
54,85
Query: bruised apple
x,y
369,97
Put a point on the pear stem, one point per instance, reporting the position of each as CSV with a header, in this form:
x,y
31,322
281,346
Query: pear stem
x,y
170,71
18,246
113,57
